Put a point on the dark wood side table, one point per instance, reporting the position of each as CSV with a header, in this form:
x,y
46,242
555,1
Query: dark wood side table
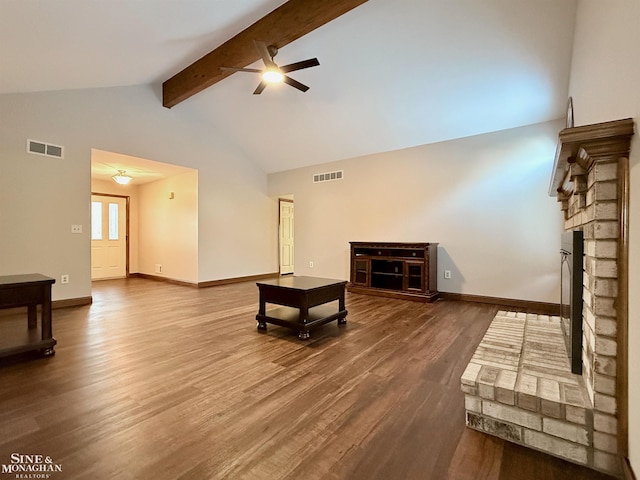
x,y
28,290
307,298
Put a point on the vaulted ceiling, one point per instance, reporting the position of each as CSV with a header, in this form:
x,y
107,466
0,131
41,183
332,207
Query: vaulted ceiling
x,y
392,74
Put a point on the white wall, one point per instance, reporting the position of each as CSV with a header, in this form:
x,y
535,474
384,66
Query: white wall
x,y
40,197
483,198
169,227
605,74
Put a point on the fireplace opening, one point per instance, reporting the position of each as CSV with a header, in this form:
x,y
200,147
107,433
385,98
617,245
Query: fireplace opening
x,y
571,260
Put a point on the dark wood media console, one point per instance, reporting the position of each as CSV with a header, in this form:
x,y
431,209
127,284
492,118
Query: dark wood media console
x,y
397,270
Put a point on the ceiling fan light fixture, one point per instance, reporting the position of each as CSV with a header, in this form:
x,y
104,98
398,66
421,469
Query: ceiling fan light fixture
x,y
122,178
272,75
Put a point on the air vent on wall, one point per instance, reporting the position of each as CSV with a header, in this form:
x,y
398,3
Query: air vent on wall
x,y
46,149
327,177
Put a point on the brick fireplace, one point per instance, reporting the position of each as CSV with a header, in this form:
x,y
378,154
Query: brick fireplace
x,y
519,385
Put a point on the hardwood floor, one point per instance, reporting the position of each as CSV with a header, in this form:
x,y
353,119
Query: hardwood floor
x,y
162,381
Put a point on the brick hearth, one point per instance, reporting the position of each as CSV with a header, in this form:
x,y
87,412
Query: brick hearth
x,y
519,386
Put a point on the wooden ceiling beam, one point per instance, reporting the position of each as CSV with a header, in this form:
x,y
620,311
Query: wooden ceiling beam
x,y
283,25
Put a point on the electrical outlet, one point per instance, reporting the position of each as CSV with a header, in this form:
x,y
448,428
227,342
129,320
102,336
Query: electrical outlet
x,y
64,278
310,264
76,228
447,274
158,268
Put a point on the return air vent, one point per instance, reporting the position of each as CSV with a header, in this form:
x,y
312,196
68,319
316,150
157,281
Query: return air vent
x,y
327,177
46,149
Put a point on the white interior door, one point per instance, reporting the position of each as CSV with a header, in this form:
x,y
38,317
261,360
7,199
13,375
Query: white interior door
x,y
108,237
286,236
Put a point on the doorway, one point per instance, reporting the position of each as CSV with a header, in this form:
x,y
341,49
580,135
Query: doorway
x,y
286,230
109,236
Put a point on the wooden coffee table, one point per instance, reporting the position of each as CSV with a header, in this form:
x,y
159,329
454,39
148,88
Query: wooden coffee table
x,y
304,303
29,290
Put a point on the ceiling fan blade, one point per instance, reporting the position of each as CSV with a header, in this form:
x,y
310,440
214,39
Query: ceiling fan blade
x,y
264,53
231,69
261,86
292,67
294,83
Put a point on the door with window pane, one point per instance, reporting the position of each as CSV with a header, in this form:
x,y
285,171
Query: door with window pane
x,y
108,237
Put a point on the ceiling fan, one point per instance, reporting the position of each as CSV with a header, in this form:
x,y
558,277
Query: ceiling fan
x,y
272,73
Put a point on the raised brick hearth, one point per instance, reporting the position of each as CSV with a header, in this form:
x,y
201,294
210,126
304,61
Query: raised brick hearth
x,y
519,386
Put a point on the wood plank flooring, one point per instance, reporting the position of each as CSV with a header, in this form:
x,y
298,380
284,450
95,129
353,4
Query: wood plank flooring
x,y
161,381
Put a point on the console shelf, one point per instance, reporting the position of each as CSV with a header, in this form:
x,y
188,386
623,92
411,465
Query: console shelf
x,y
398,270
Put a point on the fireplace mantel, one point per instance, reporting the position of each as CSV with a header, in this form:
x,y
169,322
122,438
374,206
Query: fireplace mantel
x,y
584,145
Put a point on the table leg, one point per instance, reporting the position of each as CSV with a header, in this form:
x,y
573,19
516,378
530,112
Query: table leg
x,y
262,325
262,308
341,307
47,331
341,302
303,315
